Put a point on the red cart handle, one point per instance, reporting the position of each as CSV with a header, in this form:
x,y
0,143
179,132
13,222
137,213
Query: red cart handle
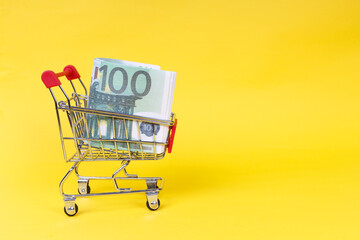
x,y
51,79
172,136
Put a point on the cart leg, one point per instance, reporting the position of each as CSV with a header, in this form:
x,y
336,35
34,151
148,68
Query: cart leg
x,y
71,207
123,166
153,203
84,187
130,175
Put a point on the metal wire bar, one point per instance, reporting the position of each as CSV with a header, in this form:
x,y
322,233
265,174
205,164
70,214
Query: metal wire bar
x,y
102,146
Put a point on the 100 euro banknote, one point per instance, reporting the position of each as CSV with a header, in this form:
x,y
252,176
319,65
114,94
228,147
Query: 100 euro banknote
x,y
133,89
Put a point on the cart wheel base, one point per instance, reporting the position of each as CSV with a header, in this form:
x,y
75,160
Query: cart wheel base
x,y
153,206
83,191
84,187
153,202
71,210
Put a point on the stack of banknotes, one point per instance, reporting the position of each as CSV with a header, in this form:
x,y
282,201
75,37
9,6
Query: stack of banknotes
x,y
134,89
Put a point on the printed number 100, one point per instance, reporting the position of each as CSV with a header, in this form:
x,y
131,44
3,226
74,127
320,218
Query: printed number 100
x,y
104,70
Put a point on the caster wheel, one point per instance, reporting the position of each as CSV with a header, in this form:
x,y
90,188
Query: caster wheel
x,y
152,208
72,214
88,189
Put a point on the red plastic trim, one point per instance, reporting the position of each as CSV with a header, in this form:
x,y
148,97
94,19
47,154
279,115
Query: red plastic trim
x,y
50,79
73,73
172,136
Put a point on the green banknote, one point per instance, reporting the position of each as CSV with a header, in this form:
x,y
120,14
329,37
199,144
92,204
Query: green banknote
x,y
129,88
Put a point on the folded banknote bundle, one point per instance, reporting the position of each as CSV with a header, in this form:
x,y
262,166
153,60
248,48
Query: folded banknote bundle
x,y
134,89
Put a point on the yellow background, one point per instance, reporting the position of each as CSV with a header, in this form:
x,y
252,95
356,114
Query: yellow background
x,y
267,98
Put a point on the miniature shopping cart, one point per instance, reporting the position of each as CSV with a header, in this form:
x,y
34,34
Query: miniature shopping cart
x,y
85,147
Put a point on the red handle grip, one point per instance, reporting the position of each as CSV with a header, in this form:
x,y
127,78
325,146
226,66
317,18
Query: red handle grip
x,y
64,73
172,136
51,79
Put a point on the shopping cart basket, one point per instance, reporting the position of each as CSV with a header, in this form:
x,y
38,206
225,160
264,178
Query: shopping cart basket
x,y
87,148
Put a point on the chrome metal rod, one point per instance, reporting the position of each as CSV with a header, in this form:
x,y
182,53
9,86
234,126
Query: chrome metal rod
x,y
124,165
61,185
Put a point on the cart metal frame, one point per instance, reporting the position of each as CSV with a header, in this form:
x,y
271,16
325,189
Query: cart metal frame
x,y
75,107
